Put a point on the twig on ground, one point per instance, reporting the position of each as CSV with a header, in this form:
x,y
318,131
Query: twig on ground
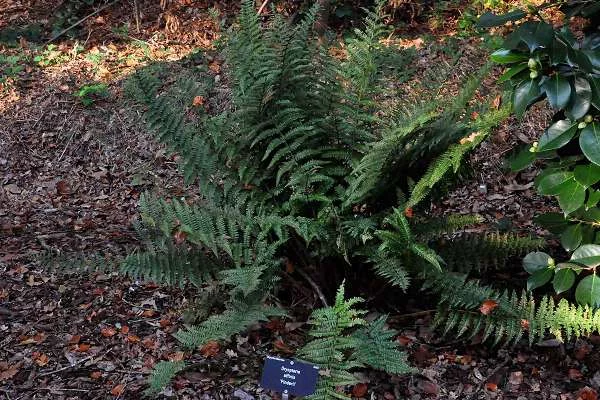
x,y
314,285
59,34
262,6
415,314
136,11
56,371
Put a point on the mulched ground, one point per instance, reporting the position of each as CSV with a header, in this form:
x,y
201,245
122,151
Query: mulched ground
x,y
70,178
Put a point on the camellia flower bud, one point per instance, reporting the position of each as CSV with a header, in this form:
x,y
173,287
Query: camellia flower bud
x,y
551,262
532,64
588,118
534,147
582,125
533,74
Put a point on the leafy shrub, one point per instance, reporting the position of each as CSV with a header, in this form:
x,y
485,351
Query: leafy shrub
x,y
552,64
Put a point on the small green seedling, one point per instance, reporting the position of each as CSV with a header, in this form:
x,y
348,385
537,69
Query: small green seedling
x,y
88,94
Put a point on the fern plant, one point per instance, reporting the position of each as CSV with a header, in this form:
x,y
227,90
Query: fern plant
x,y
303,163
338,350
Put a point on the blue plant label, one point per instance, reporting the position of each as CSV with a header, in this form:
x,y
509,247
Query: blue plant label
x,y
290,377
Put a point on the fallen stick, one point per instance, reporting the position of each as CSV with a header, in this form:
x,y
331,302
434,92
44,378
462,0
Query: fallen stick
x,y
59,34
262,7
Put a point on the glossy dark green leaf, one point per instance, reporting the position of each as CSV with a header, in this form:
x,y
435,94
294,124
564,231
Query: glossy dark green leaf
x,y
536,34
522,159
587,254
525,94
558,91
489,19
571,197
593,198
594,57
588,291
595,85
540,278
589,141
571,238
535,261
504,56
581,99
511,72
563,280
557,135
587,174
591,215
591,41
553,183
558,52
552,221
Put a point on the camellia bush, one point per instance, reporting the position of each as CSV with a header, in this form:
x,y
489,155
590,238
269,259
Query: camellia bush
x,y
556,64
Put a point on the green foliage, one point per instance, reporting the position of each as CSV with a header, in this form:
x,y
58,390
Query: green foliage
x,y
549,63
10,66
400,242
162,374
51,55
376,347
291,166
337,350
543,268
543,63
238,317
511,315
424,132
466,252
88,94
452,158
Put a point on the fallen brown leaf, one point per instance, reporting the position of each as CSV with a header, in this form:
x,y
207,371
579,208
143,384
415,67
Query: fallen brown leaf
x,y
133,338
488,306
359,390
96,375
62,187
83,347
108,331
587,393
177,356
41,359
8,373
118,390
210,349
74,339
198,101
280,345
36,339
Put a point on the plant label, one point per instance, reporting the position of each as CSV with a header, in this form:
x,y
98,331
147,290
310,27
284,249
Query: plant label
x,y
289,377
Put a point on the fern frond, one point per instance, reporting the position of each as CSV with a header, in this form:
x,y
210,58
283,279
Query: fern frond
x,y
162,373
450,161
175,266
485,251
337,350
223,326
513,317
376,347
449,225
